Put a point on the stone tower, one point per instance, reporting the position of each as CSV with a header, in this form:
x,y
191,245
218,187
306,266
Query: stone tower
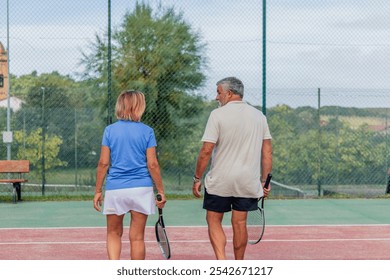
x,y
3,72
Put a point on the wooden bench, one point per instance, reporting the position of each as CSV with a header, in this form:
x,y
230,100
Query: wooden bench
x,y
12,172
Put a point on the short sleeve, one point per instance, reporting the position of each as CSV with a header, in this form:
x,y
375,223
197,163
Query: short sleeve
x,y
151,142
106,140
211,132
266,132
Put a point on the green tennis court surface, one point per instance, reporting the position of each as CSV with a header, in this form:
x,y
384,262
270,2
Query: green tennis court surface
x,y
190,212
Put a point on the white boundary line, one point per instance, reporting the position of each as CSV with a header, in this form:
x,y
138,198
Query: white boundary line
x,y
126,227
197,241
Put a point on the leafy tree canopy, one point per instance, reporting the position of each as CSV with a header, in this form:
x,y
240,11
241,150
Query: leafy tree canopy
x,y
157,53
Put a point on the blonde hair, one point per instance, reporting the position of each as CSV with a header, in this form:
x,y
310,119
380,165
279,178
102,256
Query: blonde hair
x,y
130,105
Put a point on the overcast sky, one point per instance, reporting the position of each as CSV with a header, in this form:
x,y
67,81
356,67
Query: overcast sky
x,y
310,43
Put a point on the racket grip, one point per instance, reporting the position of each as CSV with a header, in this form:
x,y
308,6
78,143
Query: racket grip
x,y
268,180
159,198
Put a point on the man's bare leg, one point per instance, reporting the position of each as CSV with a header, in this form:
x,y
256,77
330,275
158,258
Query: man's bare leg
x,y
240,233
216,233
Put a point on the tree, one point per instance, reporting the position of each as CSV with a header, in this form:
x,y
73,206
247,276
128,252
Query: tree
x,y
335,153
30,147
159,54
63,107
282,123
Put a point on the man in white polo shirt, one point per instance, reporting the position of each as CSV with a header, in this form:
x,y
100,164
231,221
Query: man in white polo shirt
x,y
238,141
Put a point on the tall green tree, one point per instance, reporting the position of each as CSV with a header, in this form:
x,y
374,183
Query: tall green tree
x,y
30,147
48,105
159,54
63,107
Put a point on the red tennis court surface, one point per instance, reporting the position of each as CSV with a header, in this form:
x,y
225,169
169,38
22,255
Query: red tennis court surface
x,y
341,242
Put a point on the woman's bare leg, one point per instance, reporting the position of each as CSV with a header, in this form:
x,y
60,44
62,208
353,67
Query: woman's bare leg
x,y
114,236
137,235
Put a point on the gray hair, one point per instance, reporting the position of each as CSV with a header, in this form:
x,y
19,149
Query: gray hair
x,y
233,84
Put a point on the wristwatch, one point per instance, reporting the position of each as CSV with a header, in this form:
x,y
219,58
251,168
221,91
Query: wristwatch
x,y
195,179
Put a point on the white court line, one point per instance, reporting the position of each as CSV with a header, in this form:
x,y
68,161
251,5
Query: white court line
x,y
198,241
226,226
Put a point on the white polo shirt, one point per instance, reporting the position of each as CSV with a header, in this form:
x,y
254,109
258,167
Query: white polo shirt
x,y
238,130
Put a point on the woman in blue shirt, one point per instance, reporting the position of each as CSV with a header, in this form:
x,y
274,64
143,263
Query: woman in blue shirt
x,y
128,153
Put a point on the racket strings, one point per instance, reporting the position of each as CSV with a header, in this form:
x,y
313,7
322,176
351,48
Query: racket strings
x,y
163,240
255,225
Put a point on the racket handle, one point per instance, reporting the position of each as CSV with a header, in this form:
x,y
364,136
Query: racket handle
x,y
267,181
159,198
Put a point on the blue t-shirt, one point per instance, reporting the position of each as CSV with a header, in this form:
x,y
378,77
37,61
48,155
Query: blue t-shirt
x,y
128,142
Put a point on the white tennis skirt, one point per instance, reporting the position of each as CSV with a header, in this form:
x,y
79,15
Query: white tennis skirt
x,y
121,201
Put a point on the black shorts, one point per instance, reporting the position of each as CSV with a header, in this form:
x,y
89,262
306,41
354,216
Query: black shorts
x,y
226,204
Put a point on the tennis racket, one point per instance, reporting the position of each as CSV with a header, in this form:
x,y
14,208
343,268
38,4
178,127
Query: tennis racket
x,y
256,218
161,235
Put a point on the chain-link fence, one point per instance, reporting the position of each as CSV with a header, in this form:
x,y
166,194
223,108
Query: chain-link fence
x,y
326,149
327,91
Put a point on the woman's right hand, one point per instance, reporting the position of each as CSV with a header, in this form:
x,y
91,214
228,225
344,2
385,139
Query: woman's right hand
x,y
161,203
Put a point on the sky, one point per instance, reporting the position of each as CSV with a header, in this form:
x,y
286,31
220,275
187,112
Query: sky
x,y
328,44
